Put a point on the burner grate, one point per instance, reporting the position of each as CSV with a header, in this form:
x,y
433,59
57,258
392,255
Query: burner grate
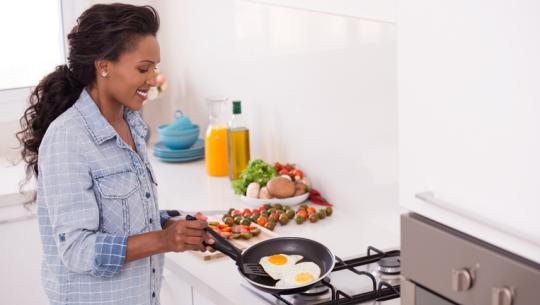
x,y
382,292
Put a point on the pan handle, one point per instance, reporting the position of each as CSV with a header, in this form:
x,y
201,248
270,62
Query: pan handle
x,y
223,245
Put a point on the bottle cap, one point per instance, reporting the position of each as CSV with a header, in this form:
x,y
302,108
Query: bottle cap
x,y
237,107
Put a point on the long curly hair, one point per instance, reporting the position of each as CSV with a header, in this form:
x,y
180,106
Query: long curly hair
x,y
103,32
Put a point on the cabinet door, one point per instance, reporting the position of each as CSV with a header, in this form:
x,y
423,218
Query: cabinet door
x,y
174,290
200,299
469,75
20,262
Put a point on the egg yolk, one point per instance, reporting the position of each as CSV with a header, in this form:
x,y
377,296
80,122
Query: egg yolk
x,y
303,277
277,259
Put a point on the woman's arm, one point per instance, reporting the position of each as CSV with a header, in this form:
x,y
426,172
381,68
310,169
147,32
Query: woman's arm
x,y
177,236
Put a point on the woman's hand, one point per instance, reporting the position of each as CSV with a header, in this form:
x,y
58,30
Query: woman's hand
x,y
183,235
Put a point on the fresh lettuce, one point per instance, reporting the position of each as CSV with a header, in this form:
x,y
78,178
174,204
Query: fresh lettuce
x,y
256,171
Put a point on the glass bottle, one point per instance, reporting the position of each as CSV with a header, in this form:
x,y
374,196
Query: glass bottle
x,y
238,141
215,142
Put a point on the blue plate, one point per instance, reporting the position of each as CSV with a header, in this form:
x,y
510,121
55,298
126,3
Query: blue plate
x,y
178,155
161,150
179,160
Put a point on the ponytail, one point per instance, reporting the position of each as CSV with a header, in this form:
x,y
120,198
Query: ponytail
x,y
50,98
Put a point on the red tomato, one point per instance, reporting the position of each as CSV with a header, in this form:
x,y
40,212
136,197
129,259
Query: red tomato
x,y
226,229
262,220
244,229
283,172
255,210
311,209
236,212
302,213
278,166
299,173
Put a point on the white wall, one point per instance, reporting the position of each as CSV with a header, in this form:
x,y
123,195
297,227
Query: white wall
x,y
318,89
468,106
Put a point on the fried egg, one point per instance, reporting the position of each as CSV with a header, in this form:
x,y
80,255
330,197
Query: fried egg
x,y
299,275
278,264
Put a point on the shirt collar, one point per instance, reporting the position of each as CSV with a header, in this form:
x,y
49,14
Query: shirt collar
x,y
100,129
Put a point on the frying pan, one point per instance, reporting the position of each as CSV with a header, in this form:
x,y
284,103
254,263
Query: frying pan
x,y
311,250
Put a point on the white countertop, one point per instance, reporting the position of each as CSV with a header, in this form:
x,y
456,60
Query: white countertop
x,y
186,187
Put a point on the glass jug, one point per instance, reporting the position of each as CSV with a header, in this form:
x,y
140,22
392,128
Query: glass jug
x,y
215,142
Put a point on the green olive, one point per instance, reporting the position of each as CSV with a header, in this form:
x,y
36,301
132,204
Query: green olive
x,y
290,214
299,219
235,235
313,217
329,211
283,219
270,225
321,214
245,221
237,220
228,220
255,231
254,217
246,235
278,206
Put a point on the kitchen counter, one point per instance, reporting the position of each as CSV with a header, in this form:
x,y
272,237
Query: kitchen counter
x,y
186,187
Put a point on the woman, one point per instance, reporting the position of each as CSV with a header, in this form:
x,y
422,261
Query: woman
x,y
102,233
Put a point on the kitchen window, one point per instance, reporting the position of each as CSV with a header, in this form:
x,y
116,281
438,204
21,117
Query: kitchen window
x,y
35,33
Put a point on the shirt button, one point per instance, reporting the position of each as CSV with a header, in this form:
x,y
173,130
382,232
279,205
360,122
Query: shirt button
x,y
153,270
151,220
154,294
147,195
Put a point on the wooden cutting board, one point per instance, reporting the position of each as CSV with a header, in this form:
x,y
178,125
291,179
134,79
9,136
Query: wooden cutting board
x,y
242,244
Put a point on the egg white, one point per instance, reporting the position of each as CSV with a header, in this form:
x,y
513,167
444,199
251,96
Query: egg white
x,y
277,271
299,271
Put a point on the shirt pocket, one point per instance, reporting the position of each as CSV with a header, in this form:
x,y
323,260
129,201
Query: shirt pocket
x,y
122,209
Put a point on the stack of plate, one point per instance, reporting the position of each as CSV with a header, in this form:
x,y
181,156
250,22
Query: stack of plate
x,y
166,154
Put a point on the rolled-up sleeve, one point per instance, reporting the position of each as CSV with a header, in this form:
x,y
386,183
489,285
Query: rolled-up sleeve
x,y
163,217
72,207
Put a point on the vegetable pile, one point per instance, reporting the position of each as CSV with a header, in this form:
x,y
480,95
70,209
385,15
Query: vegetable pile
x,y
269,215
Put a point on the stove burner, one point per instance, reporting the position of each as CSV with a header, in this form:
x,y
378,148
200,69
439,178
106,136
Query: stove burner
x,y
389,265
317,290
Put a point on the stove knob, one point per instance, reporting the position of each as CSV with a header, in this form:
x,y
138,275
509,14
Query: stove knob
x,y
462,280
501,296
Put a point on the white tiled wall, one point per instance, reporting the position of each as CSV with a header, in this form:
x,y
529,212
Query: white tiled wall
x,y
318,89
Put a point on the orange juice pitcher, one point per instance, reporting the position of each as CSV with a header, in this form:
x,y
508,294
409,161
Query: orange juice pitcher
x,y
216,149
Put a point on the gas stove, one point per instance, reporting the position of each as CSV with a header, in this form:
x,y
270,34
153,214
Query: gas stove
x,y
370,279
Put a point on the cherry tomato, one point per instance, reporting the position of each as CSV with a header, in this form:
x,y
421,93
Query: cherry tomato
x,y
283,172
302,213
262,220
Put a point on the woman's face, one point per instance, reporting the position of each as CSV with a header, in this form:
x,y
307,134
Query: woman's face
x,y
130,78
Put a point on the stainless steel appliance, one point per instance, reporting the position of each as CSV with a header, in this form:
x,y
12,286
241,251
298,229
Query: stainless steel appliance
x,y
442,266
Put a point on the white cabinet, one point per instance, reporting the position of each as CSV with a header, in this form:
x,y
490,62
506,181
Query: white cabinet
x,y
175,290
20,263
201,299
468,110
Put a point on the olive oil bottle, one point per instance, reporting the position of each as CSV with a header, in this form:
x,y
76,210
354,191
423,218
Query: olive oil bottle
x,y
238,142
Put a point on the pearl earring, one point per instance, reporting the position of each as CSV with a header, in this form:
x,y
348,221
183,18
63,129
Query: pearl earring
x,y
104,73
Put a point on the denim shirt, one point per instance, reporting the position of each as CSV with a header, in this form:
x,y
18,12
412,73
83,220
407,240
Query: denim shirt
x,y
93,192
